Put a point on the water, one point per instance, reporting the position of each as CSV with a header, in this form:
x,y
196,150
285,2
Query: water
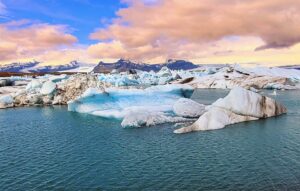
x,y
52,149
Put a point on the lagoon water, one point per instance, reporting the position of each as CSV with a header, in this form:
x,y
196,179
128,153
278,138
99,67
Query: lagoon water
x,y
50,148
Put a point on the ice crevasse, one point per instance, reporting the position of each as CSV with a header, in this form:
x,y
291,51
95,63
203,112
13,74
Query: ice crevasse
x,y
135,107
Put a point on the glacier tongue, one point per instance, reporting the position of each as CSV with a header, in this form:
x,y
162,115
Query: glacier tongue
x,y
156,102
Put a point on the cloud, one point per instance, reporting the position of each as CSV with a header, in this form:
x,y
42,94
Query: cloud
x,y
167,25
21,39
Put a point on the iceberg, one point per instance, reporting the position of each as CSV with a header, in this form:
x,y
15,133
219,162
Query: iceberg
x,y
119,103
245,102
238,106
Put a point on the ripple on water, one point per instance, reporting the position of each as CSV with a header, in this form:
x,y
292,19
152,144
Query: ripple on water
x,y
51,149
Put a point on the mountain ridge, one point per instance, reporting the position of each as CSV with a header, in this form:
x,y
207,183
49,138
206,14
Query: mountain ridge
x,y
123,65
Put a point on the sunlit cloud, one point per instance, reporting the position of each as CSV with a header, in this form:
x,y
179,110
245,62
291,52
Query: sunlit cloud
x,y
186,29
249,32
23,39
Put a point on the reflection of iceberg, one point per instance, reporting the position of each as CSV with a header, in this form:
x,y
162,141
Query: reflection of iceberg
x,y
120,103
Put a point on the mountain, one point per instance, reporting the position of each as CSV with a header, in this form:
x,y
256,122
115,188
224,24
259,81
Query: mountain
x,y
35,67
180,65
57,68
17,67
296,67
123,65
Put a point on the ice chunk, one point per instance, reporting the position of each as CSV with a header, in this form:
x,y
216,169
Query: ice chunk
x,y
34,84
48,88
215,118
117,103
145,118
245,102
188,108
164,72
58,78
238,106
6,101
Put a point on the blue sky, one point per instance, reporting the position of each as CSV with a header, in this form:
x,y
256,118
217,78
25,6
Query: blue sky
x,y
82,16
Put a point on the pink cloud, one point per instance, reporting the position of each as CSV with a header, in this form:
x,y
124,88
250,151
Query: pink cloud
x,y
21,39
162,26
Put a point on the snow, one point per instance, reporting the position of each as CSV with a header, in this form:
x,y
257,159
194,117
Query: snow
x,y
274,71
80,69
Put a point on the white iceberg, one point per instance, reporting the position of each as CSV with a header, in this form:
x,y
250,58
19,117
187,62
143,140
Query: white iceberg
x,y
238,106
245,102
215,118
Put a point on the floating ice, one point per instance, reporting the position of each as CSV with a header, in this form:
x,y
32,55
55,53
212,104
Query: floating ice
x,y
118,103
238,106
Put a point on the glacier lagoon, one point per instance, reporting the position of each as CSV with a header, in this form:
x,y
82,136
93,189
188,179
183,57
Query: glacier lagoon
x,y
49,148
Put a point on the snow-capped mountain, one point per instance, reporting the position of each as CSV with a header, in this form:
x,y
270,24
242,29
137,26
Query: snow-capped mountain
x,y
125,65
57,68
17,67
37,67
296,67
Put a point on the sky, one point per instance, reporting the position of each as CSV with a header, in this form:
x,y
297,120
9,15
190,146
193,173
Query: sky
x,y
247,32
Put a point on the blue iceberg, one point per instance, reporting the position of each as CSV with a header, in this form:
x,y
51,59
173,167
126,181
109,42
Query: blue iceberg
x,y
122,103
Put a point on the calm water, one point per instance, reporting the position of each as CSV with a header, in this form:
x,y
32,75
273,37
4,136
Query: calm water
x,y
52,149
